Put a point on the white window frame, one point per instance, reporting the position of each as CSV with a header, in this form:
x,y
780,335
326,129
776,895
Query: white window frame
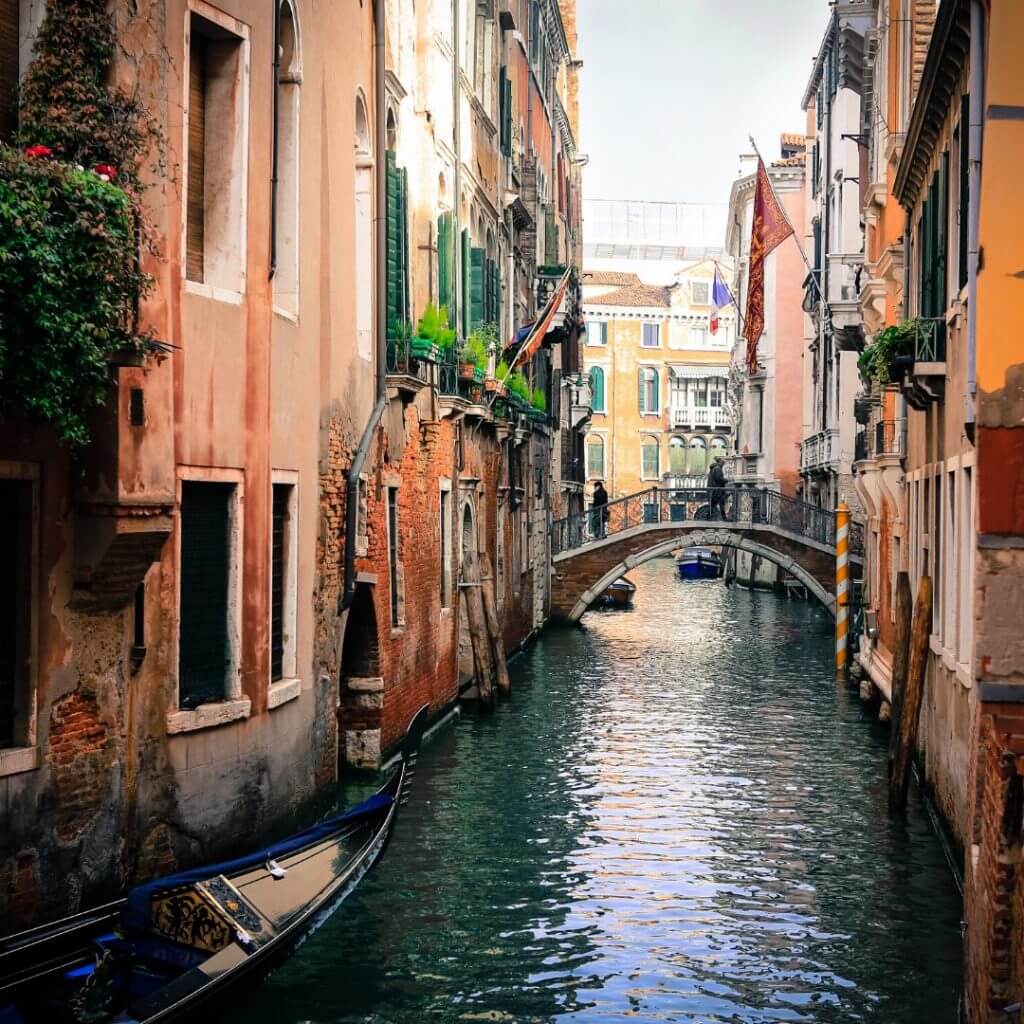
x,y
239,174
643,333
289,686
698,336
657,390
235,704
14,760
965,571
445,542
603,324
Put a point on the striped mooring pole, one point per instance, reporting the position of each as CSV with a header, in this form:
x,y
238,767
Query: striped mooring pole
x,y
842,584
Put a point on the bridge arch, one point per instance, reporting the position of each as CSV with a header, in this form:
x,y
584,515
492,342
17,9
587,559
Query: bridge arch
x,y
702,538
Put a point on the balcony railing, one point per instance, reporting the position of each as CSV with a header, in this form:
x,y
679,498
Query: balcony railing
x,y
844,273
819,449
890,439
712,417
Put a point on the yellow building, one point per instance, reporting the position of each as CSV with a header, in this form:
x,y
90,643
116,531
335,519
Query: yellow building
x,y
659,377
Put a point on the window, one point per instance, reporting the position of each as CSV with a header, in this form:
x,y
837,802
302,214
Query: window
x,y
446,545
677,456
651,337
719,449
963,212
393,556
364,213
9,44
283,578
716,392
966,573
216,163
950,583
698,337
286,212
597,388
17,600
597,332
206,652
650,468
698,456
595,456
649,393
700,292
397,296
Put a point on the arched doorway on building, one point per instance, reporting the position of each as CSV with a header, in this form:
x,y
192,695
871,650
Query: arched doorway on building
x,y
360,686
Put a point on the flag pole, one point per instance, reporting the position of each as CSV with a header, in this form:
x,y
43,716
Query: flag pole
x,y
735,302
796,237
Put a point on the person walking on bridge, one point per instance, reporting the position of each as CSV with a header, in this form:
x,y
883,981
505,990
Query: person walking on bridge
x,y
599,505
716,488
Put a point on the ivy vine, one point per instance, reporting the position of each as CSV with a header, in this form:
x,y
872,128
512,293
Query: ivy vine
x,y
71,224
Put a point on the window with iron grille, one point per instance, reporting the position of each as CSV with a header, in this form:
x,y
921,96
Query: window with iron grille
x,y
446,547
204,653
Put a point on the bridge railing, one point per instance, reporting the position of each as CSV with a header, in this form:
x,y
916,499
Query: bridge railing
x,y
726,506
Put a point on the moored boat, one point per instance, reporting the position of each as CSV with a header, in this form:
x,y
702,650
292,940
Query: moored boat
x,y
619,594
176,945
699,564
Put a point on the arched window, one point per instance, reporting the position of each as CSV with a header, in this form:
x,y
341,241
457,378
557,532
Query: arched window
x,y
719,449
391,130
286,213
677,456
364,231
650,398
597,389
650,461
698,456
595,457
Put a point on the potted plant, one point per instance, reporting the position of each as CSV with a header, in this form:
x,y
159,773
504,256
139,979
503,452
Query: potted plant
x,y
432,334
889,355
399,345
538,404
497,383
475,352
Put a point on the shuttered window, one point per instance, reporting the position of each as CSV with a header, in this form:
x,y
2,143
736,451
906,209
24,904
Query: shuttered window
x,y
648,397
595,456
477,287
397,244
278,559
467,317
8,68
550,237
505,112
393,554
649,457
965,188
597,389
203,651
195,228
15,609
446,264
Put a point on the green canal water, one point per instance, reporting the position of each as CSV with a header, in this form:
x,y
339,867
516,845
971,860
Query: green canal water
x,y
680,816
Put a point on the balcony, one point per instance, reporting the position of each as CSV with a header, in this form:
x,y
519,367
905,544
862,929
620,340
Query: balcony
x,y
819,451
692,417
925,380
581,400
844,277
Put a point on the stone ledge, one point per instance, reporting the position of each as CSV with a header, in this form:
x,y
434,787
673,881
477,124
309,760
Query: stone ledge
x,y
283,691
15,760
363,684
208,716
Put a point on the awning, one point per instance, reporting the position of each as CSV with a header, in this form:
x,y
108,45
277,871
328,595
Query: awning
x,y
698,371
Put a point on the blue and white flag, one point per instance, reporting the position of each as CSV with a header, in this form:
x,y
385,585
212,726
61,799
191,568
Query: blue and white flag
x,y
720,298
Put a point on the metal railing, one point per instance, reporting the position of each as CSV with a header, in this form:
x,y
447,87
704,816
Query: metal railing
x,y
930,340
890,439
744,507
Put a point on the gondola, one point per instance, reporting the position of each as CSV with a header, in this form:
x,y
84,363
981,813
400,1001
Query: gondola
x,y
618,594
177,945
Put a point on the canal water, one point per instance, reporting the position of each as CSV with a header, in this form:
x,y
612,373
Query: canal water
x,y
680,816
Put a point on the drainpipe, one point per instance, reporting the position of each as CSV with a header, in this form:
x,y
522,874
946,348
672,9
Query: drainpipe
x,y
381,322
977,128
275,139
825,320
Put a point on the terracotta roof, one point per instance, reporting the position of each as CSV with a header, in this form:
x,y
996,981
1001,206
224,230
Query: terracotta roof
x,y
789,161
612,277
793,139
634,295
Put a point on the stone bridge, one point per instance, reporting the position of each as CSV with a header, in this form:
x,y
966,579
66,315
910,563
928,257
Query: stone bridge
x,y
588,555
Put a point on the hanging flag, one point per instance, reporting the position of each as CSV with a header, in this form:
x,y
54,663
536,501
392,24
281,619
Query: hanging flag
x,y
770,229
720,298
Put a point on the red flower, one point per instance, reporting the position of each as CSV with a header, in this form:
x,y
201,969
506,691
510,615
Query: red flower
x,y
106,171
38,151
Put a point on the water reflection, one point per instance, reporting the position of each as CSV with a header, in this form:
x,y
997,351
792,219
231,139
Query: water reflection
x,y
680,817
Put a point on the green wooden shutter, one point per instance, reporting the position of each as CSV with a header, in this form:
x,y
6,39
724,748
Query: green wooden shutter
x,y
597,389
446,264
640,395
550,237
393,189
404,246
965,186
466,319
477,290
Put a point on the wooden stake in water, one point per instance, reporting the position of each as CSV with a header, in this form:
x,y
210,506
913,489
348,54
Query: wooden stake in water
x,y
842,584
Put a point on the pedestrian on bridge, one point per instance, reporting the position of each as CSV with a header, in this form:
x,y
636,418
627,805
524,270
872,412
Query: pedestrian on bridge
x,y
716,487
599,514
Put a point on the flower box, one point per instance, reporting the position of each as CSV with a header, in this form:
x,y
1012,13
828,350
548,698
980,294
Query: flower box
x,y
423,348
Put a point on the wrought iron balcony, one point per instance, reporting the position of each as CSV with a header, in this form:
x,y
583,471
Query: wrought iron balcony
x,y
925,380
890,439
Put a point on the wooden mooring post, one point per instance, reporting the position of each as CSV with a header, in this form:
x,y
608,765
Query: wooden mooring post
x,y
900,656
917,663
471,594
842,584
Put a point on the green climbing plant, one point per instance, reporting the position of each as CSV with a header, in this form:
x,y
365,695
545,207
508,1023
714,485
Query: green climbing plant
x,y
72,225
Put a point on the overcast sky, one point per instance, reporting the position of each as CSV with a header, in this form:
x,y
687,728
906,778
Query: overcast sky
x,y
672,88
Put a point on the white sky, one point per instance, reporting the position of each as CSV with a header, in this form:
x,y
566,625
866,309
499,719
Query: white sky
x,y
672,88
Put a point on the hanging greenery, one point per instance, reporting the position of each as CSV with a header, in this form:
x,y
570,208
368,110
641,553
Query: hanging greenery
x,y
877,362
71,225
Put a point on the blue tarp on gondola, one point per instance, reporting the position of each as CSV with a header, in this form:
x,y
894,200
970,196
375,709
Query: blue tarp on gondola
x,y
136,914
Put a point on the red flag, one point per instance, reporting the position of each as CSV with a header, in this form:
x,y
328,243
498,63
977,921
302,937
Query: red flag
x,y
714,323
771,228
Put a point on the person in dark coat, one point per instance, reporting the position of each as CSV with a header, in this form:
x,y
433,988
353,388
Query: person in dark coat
x,y
599,505
716,488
